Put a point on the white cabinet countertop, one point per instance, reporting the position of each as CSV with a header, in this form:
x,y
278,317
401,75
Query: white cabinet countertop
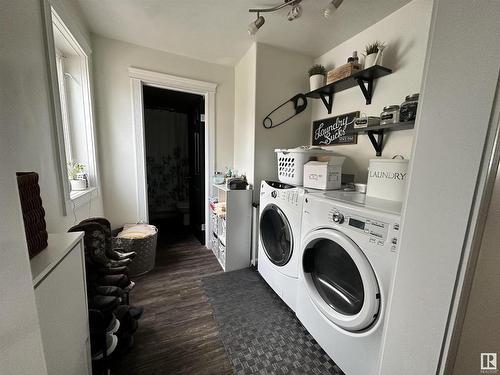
x,y
59,246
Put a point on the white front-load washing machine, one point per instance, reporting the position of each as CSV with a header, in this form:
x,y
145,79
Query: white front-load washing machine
x,y
279,232
347,259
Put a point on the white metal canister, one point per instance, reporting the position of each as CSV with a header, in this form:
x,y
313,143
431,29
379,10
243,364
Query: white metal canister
x,y
387,179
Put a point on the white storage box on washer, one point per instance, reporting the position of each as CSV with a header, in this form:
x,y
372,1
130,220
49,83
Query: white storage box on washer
x,y
324,175
291,162
387,179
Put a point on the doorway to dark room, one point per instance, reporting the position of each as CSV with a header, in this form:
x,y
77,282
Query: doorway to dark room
x,y
174,131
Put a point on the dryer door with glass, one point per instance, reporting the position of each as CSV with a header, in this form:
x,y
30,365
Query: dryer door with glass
x,y
340,280
276,235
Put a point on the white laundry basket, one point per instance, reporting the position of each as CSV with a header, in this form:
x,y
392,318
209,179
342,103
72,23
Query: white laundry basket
x,y
291,162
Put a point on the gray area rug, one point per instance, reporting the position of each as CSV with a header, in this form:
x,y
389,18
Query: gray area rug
x,y
260,333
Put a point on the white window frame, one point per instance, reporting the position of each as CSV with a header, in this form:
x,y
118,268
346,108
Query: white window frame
x,y
63,95
70,200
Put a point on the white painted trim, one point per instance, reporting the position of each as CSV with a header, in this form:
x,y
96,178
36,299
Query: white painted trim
x,y
81,198
139,149
172,82
140,78
55,105
51,17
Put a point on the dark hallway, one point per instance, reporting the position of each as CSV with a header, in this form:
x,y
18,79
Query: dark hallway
x,y
174,137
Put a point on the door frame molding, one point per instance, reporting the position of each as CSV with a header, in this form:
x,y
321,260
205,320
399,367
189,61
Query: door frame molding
x,y
142,77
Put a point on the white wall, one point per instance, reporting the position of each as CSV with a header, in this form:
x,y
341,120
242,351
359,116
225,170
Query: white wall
x,y
266,77
405,32
281,74
450,136
244,113
27,144
25,80
114,115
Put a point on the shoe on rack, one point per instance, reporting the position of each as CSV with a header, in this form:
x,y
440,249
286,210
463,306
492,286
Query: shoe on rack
x,y
97,349
112,252
113,326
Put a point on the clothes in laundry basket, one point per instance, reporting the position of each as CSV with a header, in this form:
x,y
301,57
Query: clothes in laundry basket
x,y
132,231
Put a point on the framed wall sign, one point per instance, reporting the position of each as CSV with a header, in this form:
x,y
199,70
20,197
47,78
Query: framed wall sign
x,y
332,131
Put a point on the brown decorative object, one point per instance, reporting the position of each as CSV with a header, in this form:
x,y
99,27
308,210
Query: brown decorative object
x,y
342,71
33,212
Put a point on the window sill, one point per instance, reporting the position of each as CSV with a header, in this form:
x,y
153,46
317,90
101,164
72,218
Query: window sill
x,y
82,197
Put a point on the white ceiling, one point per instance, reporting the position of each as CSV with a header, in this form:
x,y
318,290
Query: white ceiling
x,y
216,30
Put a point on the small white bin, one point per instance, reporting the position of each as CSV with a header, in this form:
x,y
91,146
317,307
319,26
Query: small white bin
x,y
221,227
387,179
222,253
324,175
291,162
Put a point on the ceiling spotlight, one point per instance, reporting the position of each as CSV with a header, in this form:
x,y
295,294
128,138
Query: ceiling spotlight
x,y
331,8
256,25
295,12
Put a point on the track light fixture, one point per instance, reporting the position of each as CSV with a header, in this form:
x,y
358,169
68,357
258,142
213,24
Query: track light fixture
x,y
256,25
331,8
294,12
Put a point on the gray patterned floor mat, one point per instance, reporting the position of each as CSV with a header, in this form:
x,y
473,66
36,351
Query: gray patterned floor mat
x,y
260,333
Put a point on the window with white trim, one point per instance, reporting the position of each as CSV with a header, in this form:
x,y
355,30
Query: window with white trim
x,y
76,128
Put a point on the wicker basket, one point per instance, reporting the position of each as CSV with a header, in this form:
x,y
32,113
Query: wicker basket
x,y
33,212
342,71
145,249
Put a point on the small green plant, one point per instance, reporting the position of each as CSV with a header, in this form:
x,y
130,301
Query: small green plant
x,y
374,47
317,69
74,168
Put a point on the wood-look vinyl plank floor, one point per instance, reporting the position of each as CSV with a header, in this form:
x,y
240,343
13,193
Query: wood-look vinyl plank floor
x,y
177,333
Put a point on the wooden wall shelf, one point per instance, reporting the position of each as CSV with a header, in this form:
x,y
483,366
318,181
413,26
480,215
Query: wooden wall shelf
x,y
363,79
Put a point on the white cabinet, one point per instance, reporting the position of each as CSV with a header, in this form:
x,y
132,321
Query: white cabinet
x,y
230,235
60,291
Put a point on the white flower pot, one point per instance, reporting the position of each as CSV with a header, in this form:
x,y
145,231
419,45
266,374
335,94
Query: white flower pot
x,y
77,185
371,60
316,81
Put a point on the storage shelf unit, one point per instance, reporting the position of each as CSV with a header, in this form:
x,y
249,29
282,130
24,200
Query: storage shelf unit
x,y
231,245
364,79
376,133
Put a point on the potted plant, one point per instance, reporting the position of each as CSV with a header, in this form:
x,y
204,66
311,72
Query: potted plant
x,y
373,54
74,169
317,75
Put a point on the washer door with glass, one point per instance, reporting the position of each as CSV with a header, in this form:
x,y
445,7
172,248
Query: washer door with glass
x,y
276,235
340,280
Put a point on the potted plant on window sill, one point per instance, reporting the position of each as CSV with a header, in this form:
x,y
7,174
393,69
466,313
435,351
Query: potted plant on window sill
x,y
76,176
317,74
373,54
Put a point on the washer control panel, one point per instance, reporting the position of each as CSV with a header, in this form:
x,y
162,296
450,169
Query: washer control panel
x,y
290,196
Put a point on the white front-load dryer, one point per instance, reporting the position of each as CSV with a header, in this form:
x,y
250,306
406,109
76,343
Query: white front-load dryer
x,y
279,242
347,259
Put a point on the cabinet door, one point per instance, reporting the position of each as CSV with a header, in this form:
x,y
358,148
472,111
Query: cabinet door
x,y
62,312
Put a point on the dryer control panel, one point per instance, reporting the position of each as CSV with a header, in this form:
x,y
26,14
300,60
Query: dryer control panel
x,y
376,229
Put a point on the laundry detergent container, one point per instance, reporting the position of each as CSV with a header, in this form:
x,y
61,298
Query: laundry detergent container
x,y
291,162
387,179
